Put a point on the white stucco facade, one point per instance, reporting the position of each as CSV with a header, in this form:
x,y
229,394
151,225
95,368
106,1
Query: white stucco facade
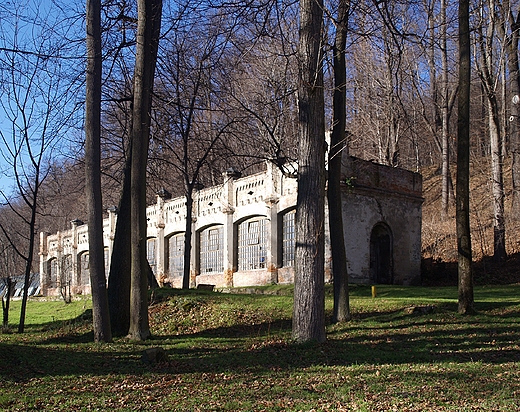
x,y
243,232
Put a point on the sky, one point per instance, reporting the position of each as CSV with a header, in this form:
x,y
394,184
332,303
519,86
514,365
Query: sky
x,y
34,81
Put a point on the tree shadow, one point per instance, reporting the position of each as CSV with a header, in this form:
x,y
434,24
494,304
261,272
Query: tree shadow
x,y
485,271
372,338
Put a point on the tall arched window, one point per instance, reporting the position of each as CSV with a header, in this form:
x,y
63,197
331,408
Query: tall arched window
x,y
52,278
151,253
252,244
66,271
84,269
381,255
211,256
288,238
176,254
106,253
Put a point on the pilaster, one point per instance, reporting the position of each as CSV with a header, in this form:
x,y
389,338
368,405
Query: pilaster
x,y
112,221
75,280
43,263
230,175
160,246
271,202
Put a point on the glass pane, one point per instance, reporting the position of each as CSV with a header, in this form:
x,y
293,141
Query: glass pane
x,y
252,242
211,250
84,269
151,254
288,239
176,255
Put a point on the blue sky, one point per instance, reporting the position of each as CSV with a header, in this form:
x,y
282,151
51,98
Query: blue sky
x,y
46,73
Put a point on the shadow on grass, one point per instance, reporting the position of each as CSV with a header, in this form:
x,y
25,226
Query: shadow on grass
x,y
373,338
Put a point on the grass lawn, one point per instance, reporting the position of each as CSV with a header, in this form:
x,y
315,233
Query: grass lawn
x,y
233,352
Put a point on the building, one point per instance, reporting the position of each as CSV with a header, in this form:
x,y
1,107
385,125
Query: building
x,y
243,232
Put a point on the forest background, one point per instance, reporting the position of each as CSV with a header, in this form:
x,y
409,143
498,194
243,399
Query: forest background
x,y
225,96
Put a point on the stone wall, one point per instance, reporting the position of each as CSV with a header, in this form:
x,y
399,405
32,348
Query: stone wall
x,y
238,232
379,196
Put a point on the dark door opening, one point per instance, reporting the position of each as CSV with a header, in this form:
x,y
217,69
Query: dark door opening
x,y
381,252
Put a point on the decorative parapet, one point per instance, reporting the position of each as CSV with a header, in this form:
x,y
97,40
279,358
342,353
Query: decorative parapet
x,y
209,201
82,237
54,244
175,210
152,216
250,189
68,243
107,230
43,244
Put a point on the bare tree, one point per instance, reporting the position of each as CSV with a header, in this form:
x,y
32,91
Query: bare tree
x,y
509,28
36,104
9,285
117,128
120,268
309,294
9,267
447,101
192,88
437,106
148,30
465,271
489,69
264,84
338,143
101,318
382,119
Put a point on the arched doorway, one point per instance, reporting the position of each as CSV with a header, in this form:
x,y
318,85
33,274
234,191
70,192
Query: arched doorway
x,y
381,255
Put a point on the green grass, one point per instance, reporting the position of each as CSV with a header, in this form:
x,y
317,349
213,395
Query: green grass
x,y
41,311
233,352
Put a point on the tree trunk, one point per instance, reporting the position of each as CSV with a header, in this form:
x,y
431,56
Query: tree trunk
x,y
119,279
187,240
309,296
485,66
148,28
445,115
465,273
341,310
497,159
30,255
5,305
514,126
100,313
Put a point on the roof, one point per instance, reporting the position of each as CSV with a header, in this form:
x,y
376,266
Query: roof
x,y
34,285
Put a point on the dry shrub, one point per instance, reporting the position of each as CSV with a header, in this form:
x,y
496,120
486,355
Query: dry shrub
x,y
439,240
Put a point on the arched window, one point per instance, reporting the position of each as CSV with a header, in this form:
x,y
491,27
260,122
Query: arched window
x,y
151,253
176,254
288,237
52,278
381,255
212,250
66,271
106,253
252,244
84,269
